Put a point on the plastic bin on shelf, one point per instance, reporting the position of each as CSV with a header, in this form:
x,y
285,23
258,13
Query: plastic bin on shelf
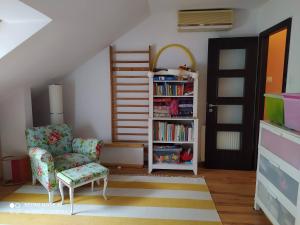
x,y
292,111
275,108
166,155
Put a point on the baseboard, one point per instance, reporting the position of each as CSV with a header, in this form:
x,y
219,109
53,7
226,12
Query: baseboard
x,y
137,166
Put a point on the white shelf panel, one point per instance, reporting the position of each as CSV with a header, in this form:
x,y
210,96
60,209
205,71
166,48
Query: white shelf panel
x,y
173,81
173,118
173,142
170,166
173,96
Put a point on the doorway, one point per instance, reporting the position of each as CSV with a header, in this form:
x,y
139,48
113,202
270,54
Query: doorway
x,y
274,44
231,80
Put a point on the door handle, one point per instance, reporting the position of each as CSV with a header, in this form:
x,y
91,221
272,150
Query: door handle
x,y
212,105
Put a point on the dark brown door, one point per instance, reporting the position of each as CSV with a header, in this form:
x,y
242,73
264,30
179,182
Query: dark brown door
x,y
231,81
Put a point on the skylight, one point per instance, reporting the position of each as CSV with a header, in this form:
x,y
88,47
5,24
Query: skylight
x,y
18,23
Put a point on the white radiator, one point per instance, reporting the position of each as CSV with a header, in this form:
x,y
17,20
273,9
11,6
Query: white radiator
x,y
122,154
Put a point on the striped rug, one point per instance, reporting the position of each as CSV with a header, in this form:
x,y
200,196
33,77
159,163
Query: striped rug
x,y
132,200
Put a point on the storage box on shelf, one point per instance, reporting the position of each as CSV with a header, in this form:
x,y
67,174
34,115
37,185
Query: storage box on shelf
x,y
278,174
292,111
275,108
173,123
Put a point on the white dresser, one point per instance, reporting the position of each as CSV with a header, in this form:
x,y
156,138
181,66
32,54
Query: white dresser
x,y
278,174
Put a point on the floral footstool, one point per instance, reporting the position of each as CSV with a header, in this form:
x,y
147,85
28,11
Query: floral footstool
x,y
79,176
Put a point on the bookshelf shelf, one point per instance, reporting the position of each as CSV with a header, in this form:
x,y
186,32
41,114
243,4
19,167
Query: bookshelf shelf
x,y
174,118
173,142
172,166
172,81
167,125
173,96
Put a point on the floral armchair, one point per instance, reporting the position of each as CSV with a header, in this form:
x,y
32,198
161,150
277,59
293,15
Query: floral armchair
x,y
53,149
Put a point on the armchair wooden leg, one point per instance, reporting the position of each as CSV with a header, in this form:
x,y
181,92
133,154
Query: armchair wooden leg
x,y
33,180
104,188
92,186
51,196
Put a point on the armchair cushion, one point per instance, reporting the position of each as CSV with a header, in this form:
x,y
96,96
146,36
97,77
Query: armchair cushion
x,y
59,139
70,160
35,137
88,147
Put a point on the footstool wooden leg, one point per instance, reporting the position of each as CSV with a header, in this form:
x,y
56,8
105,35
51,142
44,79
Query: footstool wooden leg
x,y
61,190
98,182
92,186
104,188
71,193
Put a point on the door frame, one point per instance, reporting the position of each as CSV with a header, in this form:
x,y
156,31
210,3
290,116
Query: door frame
x,y
262,71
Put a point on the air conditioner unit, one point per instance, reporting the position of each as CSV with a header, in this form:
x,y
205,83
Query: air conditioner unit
x,y
205,20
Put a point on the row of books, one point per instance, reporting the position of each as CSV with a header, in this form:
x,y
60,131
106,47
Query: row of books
x,y
165,131
165,89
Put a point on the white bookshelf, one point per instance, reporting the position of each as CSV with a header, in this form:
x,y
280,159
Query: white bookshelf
x,y
193,121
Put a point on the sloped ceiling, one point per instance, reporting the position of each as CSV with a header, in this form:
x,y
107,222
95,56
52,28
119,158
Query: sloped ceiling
x,y
79,29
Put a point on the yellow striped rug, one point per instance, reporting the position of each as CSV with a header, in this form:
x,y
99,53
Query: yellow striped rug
x,y
132,200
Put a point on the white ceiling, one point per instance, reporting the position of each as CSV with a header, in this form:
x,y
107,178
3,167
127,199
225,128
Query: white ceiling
x,y
162,5
79,29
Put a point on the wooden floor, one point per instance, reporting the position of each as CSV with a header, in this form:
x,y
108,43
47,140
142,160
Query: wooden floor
x,y
232,191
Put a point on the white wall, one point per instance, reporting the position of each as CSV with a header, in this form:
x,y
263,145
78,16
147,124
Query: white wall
x,y
15,117
87,98
273,12
87,89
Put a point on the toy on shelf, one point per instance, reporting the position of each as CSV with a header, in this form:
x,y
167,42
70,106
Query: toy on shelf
x,y
186,156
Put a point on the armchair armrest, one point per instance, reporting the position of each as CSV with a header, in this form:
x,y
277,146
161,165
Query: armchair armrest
x,y
89,147
42,166
40,154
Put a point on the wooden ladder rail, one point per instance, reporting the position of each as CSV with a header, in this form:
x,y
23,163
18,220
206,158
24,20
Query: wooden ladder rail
x,y
116,93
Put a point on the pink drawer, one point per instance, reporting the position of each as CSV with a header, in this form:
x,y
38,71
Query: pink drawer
x,y
285,149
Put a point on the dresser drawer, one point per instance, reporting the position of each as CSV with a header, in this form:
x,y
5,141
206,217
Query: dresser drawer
x,y
284,148
274,207
281,180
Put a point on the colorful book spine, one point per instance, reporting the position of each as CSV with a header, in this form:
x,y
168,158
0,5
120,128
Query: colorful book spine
x,y
164,131
166,89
